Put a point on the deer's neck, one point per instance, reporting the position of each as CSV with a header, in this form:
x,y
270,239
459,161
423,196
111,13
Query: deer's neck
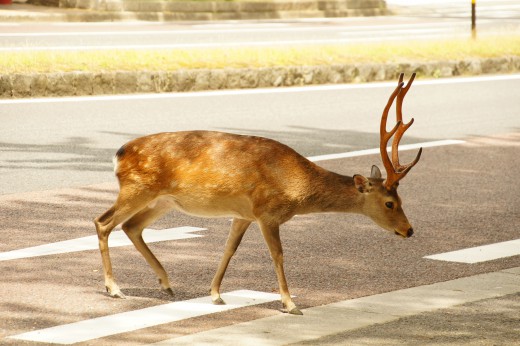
x,y
332,192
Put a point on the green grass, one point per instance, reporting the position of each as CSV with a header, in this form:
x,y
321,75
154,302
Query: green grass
x,y
174,59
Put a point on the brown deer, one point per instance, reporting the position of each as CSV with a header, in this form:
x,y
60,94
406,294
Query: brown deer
x,y
214,174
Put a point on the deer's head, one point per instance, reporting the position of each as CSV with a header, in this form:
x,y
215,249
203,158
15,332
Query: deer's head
x,y
381,201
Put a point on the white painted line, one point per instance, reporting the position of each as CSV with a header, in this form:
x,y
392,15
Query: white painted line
x,y
480,253
144,318
244,29
259,91
376,150
117,238
352,314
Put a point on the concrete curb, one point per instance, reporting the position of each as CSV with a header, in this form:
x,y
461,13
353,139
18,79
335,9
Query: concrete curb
x,y
127,82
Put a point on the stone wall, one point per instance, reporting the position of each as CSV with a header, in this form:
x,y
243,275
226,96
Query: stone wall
x,y
219,10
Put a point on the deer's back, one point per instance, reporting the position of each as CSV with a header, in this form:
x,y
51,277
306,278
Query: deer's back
x,y
203,171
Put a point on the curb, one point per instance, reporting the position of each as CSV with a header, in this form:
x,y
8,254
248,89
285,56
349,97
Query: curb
x,y
127,82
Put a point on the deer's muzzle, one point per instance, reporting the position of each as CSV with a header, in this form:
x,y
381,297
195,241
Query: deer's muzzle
x,y
407,234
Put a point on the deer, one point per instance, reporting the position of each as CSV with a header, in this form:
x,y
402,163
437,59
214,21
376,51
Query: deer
x,y
249,179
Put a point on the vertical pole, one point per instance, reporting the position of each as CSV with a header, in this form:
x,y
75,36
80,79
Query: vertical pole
x,y
473,19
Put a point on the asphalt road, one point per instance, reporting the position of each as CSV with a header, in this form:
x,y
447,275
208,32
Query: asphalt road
x,y
427,20
57,176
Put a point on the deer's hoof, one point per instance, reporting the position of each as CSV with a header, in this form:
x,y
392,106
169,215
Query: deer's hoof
x,y
115,293
118,294
219,301
169,291
295,311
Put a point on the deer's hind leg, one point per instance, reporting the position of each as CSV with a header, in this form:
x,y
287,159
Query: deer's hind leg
x,y
123,209
134,230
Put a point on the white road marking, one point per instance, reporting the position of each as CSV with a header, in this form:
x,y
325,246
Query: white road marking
x,y
243,29
352,314
144,318
480,253
117,238
257,91
376,150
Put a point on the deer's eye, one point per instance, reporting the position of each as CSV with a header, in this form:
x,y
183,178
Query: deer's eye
x,y
389,205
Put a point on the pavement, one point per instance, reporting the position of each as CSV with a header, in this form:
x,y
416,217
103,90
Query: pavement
x,y
477,310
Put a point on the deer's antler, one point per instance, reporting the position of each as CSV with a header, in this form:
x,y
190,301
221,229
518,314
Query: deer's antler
x,y
394,170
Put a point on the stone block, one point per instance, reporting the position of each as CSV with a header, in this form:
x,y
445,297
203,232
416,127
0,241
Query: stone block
x,y
366,73
60,84
515,60
39,85
265,77
131,6
151,6
233,78
114,6
85,4
162,81
144,82
217,79
184,80
125,82
21,85
249,78
202,79
103,83
83,83
190,6
6,86
278,76
336,74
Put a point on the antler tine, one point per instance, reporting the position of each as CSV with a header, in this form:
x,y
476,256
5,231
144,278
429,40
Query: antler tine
x,y
385,136
396,171
402,94
403,127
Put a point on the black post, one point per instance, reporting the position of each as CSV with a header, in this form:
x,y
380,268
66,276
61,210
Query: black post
x,y
474,19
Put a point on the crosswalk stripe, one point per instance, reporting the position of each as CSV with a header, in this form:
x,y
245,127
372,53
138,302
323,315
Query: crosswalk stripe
x,y
480,253
377,150
117,238
349,315
144,318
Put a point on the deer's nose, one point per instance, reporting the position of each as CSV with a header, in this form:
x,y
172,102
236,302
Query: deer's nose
x,y
409,233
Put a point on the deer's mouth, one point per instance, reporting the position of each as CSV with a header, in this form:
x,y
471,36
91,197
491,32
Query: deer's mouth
x,y
408,233
399,234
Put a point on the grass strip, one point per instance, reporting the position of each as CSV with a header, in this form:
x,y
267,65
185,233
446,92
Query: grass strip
x,y
217,58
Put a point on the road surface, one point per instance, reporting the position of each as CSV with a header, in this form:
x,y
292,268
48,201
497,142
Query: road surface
x,y
57,176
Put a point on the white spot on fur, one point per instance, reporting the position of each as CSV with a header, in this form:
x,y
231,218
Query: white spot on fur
x,y
115,161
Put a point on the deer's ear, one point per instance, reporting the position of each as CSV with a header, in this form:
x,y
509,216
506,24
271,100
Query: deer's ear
x,y
362,184
376,172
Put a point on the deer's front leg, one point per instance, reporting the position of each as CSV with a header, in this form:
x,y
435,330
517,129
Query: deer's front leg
x,y
238,228
271,235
